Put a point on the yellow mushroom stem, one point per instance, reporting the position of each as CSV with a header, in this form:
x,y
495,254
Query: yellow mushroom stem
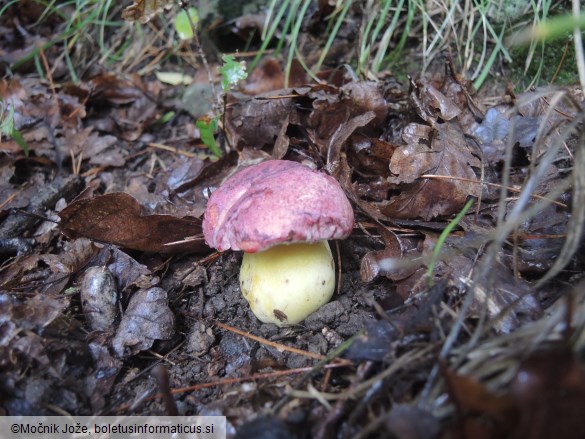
x,y
286,283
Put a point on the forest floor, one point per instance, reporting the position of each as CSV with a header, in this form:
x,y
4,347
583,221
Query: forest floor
x,y
436,329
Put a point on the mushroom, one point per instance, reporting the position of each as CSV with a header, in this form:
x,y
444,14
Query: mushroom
x,y
281,214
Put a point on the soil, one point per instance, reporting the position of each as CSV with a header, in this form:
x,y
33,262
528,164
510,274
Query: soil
x,y
117,177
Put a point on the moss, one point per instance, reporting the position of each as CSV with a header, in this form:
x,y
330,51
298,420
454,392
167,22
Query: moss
x,y
544,64
230,9
508,10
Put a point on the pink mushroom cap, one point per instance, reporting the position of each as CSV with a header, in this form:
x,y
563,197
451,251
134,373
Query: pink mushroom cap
x,y
275,202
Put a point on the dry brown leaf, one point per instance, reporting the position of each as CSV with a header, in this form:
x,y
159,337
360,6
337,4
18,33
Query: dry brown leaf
x,y
365,96
549,388
509,301
442,150
342,172
343,132
370,153
494,133
395,261
335,113
258,121
334,108
113,89
267,77
13,95
476,405
117,219
147,318
127,271
144,10
87,144
99,298
447,110
99,384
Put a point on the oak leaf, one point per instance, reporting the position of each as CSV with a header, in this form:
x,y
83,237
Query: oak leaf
x,y
440,150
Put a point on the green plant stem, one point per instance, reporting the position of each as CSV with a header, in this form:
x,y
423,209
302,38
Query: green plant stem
x,y
333,34
441,241
269,34
294,38
386,37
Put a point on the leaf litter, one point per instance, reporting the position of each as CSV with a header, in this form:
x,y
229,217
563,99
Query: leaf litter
x,y
408,157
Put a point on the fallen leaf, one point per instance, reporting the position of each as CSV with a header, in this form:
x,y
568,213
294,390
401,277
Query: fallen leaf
x,y
539,240
397,261
144,10
343,132
117,219
549,388
375,344
441,150
365,96
502,127
146,319
50,272
107,368
86,144
13,95
99,298
370,153
184,171
126,270
108,87
360,104
445,107
267,77
509,301
480,412
342,172
257,121
40,311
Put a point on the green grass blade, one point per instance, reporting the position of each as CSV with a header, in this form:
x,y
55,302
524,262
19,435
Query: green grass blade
x,y
294,38
442,238
333,34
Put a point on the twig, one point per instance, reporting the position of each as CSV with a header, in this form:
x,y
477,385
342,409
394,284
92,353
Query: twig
x,y
227,381
172,149
320,365
278,346
162,377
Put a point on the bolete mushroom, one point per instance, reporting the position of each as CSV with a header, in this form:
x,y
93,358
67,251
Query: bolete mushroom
x,y
281,214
